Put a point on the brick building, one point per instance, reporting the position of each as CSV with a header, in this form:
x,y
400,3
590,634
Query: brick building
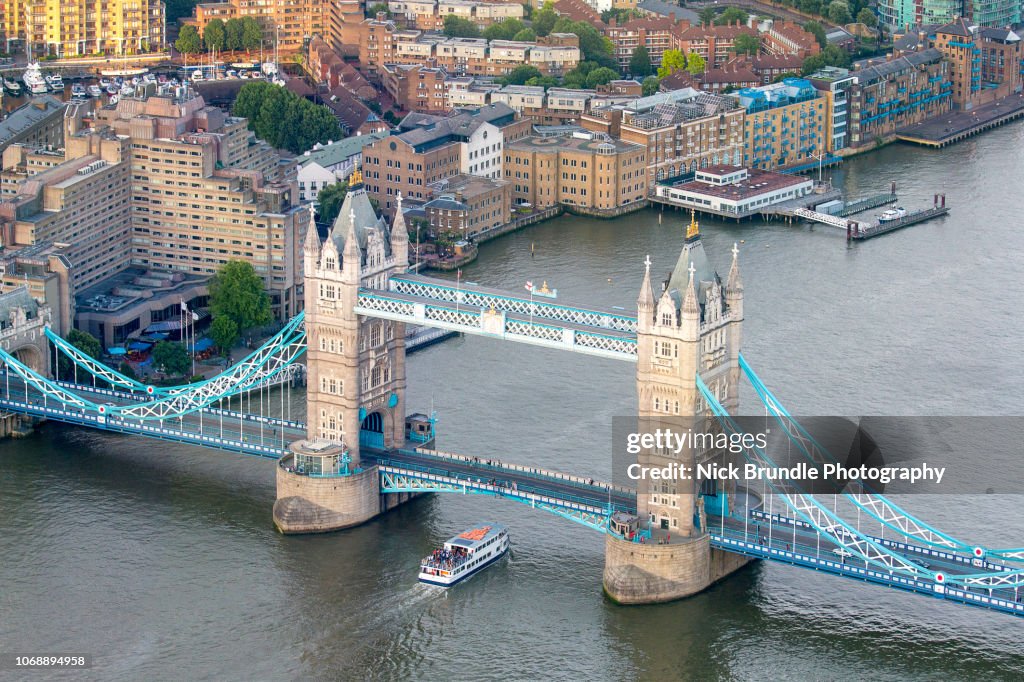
x,y
415,87
681,131
713,43
985,63
426,149
469,205
584,169
789,38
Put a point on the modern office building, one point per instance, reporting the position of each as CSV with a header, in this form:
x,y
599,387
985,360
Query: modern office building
x,y
835,84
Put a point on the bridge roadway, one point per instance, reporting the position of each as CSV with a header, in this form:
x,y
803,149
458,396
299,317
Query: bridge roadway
x,y
526,479
783,540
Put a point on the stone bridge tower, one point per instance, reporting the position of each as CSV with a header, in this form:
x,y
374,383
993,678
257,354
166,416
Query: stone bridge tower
x,y
356,372
693,326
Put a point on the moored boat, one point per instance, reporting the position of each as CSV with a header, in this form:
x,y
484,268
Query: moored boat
x,y
33,79
892,214
464,555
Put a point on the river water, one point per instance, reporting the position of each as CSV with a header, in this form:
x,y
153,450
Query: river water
x,y
161,561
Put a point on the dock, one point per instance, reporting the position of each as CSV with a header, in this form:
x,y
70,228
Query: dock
x,y
955,126
876,229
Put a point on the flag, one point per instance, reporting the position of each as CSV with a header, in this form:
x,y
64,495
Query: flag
x,y
529,286
195,316
458,275
184,306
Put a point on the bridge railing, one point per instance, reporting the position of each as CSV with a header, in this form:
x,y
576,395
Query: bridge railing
x,y
498,465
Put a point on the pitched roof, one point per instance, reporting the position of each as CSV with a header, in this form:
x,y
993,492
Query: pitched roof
x,y
957,27
335,152
357,204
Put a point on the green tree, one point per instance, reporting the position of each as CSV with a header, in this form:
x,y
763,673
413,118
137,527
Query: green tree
x,y
214,34
329,202
233,34
544,20
818,30
707,16
867,17
730,16
457,27
171,358
695,64
188,41
839,12
504,30
236,291
544,82
282,118
83,341
527,35
252,34
640,63
521,74
746,43
373,10
224,333
811,6
650,85
601,76
671,61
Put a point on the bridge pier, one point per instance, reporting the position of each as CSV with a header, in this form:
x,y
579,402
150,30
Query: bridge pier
x,y
637,573
328,502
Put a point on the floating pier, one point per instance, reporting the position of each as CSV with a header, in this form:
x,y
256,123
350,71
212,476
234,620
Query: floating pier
x,y
858,232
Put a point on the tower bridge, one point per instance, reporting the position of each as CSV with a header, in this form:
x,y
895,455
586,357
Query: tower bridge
x,y
353,457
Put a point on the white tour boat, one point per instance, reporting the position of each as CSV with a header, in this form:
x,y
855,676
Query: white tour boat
x,y
892,214
465,554
33,79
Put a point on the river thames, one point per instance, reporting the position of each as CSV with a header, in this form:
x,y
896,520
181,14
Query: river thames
x,y
161,561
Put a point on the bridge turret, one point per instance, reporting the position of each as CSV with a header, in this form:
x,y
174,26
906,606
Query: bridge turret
x,y
351,256
690,311
645,302
311,247
400,238
734,286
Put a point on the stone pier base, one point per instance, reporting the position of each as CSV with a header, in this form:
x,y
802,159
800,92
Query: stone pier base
x,y
650,573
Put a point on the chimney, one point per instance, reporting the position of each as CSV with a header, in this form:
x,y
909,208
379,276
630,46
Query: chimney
x,y
382,16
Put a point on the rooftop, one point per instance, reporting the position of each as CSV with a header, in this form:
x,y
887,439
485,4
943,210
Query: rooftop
x,y
338,151
577,140
758,182
28,115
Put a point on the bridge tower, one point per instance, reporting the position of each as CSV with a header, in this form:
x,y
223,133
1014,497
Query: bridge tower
x,y
356,372
693,326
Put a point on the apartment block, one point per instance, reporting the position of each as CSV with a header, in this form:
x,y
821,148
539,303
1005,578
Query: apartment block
x,y
429,15
785,125
582,170
789,38
985,63
713,43
681,131
835,84
657,34
381,42
898,92
426,149
293,22
81,27
415,87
